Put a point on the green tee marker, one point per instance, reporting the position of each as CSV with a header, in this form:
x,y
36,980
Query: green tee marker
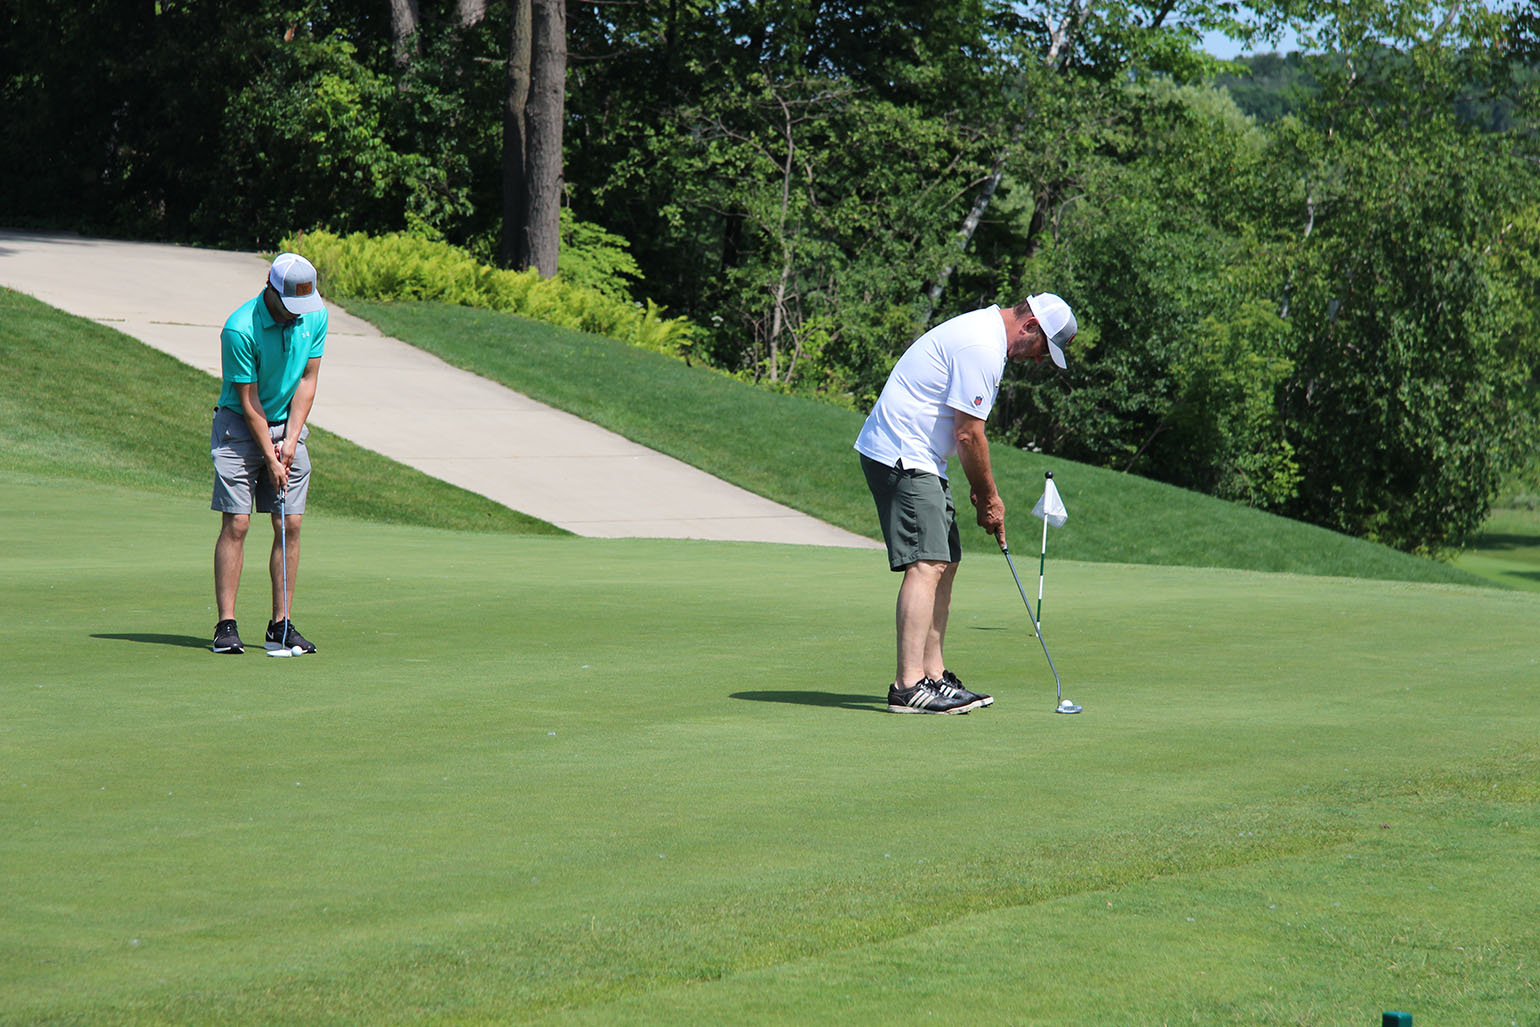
x,y
1396,1020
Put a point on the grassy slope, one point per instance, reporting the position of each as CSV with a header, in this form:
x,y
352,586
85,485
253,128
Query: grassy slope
x,y
511,788
123,413
798,452
81,400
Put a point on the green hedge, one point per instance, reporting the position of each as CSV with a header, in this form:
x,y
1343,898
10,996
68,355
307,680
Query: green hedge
x,y
405,267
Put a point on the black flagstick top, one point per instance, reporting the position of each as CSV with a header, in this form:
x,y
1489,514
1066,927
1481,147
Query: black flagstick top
x,y
1048,474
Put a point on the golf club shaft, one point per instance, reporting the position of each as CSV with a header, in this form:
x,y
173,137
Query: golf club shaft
x,y
1057,688
283,554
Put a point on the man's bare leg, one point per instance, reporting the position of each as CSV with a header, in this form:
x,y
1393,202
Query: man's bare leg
x,y
916,617
934,662
229,555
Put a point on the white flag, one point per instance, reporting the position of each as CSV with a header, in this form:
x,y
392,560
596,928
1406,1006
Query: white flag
x,y
1051,506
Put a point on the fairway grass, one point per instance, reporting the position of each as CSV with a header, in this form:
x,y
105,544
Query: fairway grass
x,y
549,779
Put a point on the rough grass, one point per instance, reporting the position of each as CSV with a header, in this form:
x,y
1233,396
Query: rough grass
x,y
798,452
1507,549
83,401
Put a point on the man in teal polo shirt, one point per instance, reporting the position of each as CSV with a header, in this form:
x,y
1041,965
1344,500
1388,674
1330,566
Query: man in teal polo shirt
x,y
271,356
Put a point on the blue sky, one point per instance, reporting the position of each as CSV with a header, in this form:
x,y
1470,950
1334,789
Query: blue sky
x,y
1221,45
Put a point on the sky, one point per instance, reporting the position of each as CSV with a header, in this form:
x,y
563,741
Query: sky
x,y
1220,45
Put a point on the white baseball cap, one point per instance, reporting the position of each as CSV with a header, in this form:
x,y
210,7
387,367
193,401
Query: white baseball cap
x,y
1057,321
293,278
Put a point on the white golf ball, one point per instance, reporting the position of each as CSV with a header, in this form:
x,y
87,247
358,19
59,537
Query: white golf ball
x,y
297,651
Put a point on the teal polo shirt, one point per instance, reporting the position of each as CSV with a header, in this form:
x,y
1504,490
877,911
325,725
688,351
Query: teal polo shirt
x,y
255,348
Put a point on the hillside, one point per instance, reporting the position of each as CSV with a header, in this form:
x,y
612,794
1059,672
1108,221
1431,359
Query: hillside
x,y
798,452
82,401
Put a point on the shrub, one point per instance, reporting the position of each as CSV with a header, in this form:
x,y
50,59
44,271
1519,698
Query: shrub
x,y
406,267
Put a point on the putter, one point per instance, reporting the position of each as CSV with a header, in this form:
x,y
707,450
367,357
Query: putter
x,y
1064,705
283,554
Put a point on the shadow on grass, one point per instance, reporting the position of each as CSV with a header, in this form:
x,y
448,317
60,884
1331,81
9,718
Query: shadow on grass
x,y
181,641
1504,541
866,703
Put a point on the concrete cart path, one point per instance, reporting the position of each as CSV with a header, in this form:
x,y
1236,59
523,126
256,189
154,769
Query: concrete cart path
x,y
404,403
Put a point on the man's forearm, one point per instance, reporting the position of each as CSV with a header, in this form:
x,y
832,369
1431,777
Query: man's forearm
x,y
299,406
973,454
256,423
251,410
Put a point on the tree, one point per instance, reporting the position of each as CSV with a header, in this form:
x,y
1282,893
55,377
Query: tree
x,y
1176,371
469,12
515,247
235,123
1096,43
785,171
1061,40
533,114
1411,398
405,23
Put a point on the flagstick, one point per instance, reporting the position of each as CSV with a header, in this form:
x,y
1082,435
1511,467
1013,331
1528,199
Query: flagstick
x,y
1043,556
1052,508
1041,561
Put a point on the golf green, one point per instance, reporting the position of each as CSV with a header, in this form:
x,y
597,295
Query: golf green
x,y
566,780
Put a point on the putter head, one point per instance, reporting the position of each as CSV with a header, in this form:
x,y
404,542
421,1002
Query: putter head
x,y
1065,706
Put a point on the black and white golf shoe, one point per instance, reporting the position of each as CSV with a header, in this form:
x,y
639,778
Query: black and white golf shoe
x,y
277,638
924,697
227,639
951,685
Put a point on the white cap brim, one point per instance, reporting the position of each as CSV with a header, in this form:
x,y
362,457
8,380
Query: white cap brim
x,y
1057,354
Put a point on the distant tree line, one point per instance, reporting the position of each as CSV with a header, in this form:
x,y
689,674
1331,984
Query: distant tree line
x,y
1307,283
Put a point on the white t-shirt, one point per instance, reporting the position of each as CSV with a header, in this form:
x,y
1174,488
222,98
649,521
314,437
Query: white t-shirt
x,y
955,366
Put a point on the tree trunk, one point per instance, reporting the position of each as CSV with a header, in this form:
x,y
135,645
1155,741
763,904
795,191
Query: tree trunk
x,y
513,248
969,226
469,12
778,310
404,23
544,116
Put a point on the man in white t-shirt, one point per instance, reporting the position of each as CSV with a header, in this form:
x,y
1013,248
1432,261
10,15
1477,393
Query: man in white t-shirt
x,y
935,404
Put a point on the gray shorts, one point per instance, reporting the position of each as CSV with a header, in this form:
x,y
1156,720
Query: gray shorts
x,y
918,519
240,468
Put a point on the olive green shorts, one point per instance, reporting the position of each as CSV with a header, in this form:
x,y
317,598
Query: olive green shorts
x,y
918,519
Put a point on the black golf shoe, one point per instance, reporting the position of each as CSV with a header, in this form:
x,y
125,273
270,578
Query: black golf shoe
x,y
277,638
227,639
951,685
923,697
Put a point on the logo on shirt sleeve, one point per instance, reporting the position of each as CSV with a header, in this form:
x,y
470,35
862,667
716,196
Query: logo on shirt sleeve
x,y
977,400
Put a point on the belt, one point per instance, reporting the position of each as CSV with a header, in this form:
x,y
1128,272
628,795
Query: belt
x,y
270,424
